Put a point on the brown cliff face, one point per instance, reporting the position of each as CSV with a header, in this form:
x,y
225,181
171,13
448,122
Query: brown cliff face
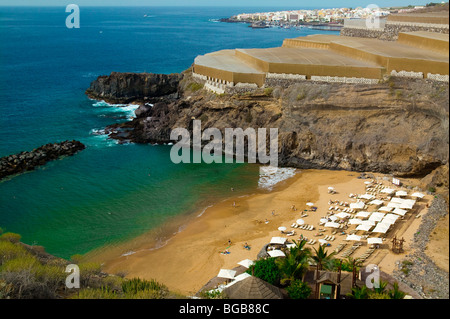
x,y
398,127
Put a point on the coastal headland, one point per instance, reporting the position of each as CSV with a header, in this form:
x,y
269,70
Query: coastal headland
x,y
330,130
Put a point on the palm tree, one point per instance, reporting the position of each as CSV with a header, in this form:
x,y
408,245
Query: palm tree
x,y
322,259
296,263
359,293
381,286
396,293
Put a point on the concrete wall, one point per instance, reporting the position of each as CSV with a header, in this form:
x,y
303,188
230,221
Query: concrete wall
x,y
428,43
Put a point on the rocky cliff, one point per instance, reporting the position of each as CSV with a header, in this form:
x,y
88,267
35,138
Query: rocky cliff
x,y
399,126
27,161
133,87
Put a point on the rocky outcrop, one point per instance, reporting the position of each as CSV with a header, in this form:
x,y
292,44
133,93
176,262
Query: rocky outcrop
x,y
27,161
390,128
133,87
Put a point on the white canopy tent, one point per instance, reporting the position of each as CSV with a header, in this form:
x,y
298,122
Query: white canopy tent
x,y
353,237
385,209
246,263
368,222
342,215
380,228
374,240
397,200
324,220
331,224
393,205
418,195
387,190
333,218
376,202
401,193
363,214
276,253
364,227
367,196
408,203
357,205
227,273
278,240
399,211
376,217
355,221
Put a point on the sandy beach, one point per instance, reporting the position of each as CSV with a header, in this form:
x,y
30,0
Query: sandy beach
x,y
192,256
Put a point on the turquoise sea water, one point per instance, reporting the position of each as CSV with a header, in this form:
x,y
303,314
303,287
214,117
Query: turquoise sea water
x,y
107,193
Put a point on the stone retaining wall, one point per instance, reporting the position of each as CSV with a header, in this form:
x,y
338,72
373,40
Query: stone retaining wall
x,y
392,29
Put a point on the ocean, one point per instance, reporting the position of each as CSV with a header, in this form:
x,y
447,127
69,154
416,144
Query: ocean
x,y
108,193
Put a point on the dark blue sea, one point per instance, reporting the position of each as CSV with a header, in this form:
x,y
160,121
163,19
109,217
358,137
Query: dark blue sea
x,y
108,193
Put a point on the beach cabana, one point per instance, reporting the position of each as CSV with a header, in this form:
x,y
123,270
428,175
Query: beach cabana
x,y
387,190
364,227
376,217
324,220
276,253
399,211
418,195
227,273
278,240
353,237
393,205
408,203
246,263
401,193
333,218
363,214
376,202
380,228
366,196
331,224
355,221
357,205
385,209
368,222
342,215
374,240
397,200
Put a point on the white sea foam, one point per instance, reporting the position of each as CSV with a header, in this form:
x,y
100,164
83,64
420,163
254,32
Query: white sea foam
x,y
128,253
269,176
127,109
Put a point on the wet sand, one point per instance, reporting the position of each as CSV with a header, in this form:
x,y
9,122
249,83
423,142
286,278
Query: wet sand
x,y
192,257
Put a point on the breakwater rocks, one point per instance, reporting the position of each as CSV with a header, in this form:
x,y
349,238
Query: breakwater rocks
x,y
27,161
417,270
133,87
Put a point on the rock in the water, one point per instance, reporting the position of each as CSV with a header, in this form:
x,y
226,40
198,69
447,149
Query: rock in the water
x,y
27,161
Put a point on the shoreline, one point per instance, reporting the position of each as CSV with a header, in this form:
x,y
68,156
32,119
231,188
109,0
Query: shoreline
x,y
191,256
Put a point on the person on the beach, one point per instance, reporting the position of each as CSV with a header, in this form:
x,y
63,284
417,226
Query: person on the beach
x,y
229,242
234,204
273,213
232,189
267,221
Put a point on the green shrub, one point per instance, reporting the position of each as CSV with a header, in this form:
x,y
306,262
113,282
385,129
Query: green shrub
x,y
12,237
301,96
8,251
268,91
88,271
298,290
134,285
97,293
194,86
214,294
267,270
